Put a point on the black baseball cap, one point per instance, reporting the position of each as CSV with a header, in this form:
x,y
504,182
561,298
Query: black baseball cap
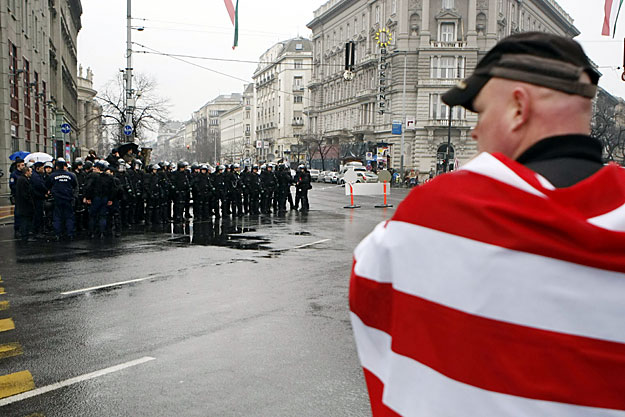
x,y
537,58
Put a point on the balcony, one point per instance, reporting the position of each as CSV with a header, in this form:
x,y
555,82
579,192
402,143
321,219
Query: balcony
x,y
445,123
366,128
448,45
298,88
438,82
297,122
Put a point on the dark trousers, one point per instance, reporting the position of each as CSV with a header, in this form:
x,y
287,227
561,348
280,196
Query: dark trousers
x,y
38,216
302,196
97,214
25,226
63,214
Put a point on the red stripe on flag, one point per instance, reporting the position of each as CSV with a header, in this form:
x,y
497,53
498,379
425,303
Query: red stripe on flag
x,y
230,8
376,391
479,208
606,19
494,355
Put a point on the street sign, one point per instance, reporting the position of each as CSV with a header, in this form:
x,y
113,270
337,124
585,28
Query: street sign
x,y
396,127
127,130
66,128
410,124
369,156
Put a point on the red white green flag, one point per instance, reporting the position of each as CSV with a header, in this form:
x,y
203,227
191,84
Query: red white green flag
x,y
612,10
233,11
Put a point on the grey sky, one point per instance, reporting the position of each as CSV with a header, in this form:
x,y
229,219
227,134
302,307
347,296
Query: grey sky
x,y
203,28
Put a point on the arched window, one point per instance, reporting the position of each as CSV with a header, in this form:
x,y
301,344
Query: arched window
x,y
445,160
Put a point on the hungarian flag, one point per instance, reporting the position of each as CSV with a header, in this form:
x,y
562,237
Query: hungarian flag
x,y
504,299
233,11
612,10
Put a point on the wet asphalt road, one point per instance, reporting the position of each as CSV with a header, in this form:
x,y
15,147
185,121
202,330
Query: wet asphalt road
x,y
246,317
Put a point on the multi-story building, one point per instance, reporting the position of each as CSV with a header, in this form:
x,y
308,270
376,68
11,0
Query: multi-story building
x,y
89,113
408,53
38,77
207,131
280,96
237,140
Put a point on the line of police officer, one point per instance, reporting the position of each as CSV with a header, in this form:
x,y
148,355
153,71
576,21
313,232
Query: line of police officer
x,y
104,197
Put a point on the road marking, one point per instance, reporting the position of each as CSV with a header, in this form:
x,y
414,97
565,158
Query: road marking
x,y
4,305
2,290
72,381
17,383
310,244
115,284
10,349
6,325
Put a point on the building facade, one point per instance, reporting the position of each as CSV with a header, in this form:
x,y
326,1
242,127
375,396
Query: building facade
x,y
89,113
408,53
280,96
207,127
38,77
236,126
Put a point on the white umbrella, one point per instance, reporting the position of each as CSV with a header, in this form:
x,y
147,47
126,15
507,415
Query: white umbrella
x,y
38,157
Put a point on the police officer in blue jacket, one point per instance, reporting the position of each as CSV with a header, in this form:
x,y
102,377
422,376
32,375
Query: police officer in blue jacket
x,y
62,184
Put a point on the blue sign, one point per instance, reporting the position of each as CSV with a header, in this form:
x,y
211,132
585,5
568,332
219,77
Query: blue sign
x,y
396,127
127,130
66,128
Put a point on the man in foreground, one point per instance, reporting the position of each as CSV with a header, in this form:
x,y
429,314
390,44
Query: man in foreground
x,y
498,290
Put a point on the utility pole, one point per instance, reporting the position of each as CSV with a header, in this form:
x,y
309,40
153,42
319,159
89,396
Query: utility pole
x,y
403,128
129,102
446,167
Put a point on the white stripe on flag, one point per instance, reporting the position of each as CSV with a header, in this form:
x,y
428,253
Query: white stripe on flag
x,y
495,282
413,389
487,165
613,220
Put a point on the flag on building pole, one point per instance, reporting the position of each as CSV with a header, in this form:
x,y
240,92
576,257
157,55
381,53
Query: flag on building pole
x,y
233,11
612,10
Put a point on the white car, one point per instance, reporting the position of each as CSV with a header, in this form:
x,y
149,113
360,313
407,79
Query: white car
x,y
362,175
314,175
331,177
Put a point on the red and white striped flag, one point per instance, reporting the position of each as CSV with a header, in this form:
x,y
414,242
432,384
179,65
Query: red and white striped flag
x,y
612,9
505,299
233,12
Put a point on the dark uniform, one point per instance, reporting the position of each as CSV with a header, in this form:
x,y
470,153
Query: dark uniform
x,y
220,192
302,185
40,191
234,189
154,196
182,188
24,205
203,192
252,185
99,191
268,188
62,184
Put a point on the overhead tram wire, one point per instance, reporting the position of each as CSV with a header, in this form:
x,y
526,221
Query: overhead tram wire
x,y
204,25
155,52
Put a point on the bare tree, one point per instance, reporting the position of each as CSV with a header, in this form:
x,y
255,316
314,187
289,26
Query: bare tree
x,y
319,146
607,128
150,108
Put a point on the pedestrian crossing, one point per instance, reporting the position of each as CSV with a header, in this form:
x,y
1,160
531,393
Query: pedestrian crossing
x,y
17,382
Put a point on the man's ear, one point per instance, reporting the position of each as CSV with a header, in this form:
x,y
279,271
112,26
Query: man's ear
x,y
521,107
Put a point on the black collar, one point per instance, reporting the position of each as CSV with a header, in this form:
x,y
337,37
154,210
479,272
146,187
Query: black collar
x,y
565,146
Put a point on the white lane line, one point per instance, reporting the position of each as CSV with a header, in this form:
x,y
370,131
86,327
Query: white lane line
x,y
115,284
310,244
72,381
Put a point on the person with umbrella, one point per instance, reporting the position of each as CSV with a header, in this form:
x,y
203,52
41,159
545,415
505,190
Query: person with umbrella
x,y
40,192
24,206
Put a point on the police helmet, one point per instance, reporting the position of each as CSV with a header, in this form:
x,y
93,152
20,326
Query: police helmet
x,y
30,164
301,166
79,161
100,165
38,164
138,162
121,167
105,163
88,165
222,167
48,165
121,162
195,165
186,164
263,166
172,164
237,166
61,162
156,167
204,166
255,167
181,164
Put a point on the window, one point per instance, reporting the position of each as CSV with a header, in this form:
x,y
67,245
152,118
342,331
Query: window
x,y
377,14
448,4
298,99
297,64
440,111
347,31
448,66
356,26
364,22
448,32
299,46
394,7
298,81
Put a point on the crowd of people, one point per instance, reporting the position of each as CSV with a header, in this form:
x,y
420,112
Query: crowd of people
x,y
104,196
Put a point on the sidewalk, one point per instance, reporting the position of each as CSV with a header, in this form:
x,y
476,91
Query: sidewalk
x,y
6,215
